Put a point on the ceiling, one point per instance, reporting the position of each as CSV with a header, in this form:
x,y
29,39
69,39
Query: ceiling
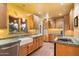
x,y
52,9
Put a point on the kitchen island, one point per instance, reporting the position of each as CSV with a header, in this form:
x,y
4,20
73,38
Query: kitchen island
x,y
68,47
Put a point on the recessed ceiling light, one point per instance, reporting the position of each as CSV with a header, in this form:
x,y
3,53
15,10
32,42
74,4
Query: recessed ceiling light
x,y
60,14
46,16
27,14
61,3
39,12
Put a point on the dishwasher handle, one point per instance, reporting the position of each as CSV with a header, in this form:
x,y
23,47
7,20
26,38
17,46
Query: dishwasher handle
x,y
4,48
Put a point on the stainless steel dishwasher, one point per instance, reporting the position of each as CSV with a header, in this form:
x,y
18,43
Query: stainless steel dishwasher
x,y
10,49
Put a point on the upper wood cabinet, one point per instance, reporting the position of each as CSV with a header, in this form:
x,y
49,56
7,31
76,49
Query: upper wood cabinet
x,y
51,24
66,22
56,23
60,23
3,16
30,22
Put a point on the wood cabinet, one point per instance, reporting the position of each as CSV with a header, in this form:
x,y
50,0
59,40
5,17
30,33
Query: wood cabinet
x,y
26,49
46,38
23,50
51,37
41,40
30,47
38,41
67,50
35,43
66,22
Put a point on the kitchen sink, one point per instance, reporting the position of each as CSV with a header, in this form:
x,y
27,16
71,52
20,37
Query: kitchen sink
x,y
25,40
65,40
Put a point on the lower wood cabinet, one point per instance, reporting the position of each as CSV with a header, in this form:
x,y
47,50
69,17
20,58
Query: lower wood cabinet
x,y
41,40
38,41
46,39
66,50
34,44
30,47
51,37
23,50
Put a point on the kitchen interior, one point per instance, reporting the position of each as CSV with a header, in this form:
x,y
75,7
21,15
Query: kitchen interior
x,y
28,29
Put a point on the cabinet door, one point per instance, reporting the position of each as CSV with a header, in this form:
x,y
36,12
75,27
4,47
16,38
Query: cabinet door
x,y
46,38
30,47
38,41
51,37
23,50
34,43
41,40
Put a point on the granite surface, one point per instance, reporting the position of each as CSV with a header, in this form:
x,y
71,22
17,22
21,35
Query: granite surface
x,y
24,38
8,41
73,39
18,35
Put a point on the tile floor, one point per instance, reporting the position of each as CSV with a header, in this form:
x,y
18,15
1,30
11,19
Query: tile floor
x,y
46,50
